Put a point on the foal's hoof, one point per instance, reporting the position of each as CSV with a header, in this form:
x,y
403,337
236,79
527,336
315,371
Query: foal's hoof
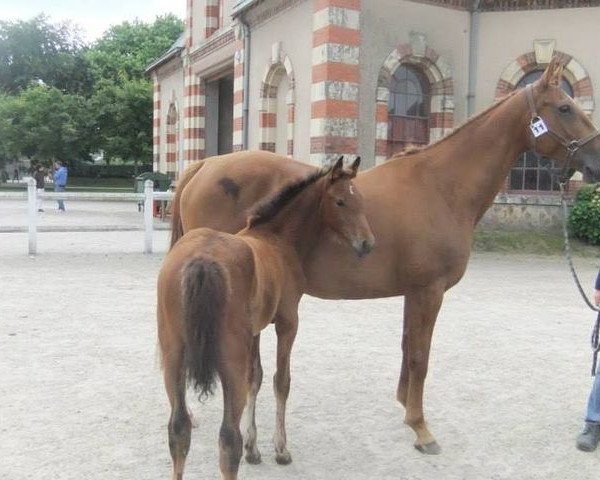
x,y
283,458
432,448
253,457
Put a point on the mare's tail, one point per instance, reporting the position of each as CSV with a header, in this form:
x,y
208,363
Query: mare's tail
x,y
205,289
176,225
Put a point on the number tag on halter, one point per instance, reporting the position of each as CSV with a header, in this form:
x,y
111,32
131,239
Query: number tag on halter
x,y
538,127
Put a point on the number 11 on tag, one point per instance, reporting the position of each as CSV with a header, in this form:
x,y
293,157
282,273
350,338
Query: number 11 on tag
x,y
538,127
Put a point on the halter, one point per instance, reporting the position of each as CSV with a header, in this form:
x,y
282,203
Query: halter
x,y
538,127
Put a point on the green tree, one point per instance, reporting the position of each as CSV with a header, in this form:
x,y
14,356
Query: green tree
x,y
125,50
123,116
45,124
36,51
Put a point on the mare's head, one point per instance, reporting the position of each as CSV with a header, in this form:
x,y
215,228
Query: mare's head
x,y
342,210
565,133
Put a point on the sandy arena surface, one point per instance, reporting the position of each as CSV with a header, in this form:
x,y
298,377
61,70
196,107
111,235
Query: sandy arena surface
x,y
81,394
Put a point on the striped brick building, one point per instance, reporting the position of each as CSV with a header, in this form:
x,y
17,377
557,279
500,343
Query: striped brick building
x,y
315,79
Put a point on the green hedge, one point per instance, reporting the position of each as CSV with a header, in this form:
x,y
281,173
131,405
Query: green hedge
x,y
584,218
82,169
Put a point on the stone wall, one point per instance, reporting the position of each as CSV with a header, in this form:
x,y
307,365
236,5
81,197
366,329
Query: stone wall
x,y
537,213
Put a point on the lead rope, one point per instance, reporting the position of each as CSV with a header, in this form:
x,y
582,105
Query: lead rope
x,y
595,339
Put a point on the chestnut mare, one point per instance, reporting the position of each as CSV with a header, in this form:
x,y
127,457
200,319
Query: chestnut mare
x,y
217,291
422,207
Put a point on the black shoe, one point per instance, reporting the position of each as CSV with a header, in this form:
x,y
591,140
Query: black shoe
x,y
588,439
40,209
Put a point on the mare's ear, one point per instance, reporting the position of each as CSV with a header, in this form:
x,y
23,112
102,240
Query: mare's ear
x,y
337,171
354,167
553,74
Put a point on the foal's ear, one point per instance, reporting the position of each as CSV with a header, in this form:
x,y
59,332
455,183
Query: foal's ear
x,y
337,170
354,167
553,74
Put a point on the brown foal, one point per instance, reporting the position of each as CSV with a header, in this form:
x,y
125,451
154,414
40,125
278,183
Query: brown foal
x,y
217,291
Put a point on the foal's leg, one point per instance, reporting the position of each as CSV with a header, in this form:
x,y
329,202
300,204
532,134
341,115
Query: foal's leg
x,y
233,371
286,329
255,381
420,312
179,423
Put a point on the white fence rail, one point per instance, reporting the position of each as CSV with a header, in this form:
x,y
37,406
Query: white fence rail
x,y
147,198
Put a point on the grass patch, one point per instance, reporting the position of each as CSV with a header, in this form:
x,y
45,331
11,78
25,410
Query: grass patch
x,y
530,243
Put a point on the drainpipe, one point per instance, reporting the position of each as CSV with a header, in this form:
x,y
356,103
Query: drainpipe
x,y
246,101
473,44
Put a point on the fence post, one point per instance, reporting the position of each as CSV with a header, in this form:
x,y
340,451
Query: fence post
x,y
32,216
148,214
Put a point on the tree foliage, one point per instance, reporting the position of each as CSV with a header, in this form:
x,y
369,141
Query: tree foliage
x,y
36,51
62,99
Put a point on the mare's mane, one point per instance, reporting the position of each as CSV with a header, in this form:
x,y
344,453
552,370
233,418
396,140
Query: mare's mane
x,y
415,150
265,211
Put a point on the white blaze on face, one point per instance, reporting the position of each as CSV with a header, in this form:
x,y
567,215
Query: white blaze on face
x,y
351,189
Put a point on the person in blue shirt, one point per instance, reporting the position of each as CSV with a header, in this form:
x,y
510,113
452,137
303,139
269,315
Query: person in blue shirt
x,y
589,438
60,182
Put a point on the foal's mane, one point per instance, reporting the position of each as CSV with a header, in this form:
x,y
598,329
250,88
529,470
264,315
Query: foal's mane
x,y
265,211
496,104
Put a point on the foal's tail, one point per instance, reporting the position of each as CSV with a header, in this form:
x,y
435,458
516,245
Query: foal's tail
x,y
176,225
205,289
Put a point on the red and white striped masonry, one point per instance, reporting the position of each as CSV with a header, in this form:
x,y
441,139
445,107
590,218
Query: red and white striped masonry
x,y
212,16
335,79
156,125
193,117
238,91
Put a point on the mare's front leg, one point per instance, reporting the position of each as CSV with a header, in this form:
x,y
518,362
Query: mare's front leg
x,y
286,327
255,376
421,308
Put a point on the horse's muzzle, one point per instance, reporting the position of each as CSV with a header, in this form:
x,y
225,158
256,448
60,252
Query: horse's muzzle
x,y
363,247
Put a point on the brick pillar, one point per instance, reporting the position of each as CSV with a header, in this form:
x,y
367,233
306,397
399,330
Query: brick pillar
x,y
193,117
238,91
156,125
335,79
212,15
189,39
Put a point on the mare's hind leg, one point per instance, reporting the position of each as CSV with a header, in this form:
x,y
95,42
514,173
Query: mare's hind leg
x,y
255,380
233,371
286,329
179,423
420,312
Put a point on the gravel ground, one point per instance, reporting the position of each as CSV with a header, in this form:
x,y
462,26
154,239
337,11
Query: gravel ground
x,y
82,395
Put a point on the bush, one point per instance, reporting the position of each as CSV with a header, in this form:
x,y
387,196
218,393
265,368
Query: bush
x,y
584,218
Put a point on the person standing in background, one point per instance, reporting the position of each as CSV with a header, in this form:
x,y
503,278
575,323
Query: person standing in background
x,y
40,182
589,438
60,182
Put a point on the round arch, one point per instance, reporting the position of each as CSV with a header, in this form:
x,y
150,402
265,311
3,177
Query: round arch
x,y
438,73
576,75
279,67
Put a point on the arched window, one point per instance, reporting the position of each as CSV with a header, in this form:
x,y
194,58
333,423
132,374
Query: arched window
x,y
532,172
408,109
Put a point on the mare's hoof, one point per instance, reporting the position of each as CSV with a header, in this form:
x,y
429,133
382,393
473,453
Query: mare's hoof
x,y
283,458
432,448
253,457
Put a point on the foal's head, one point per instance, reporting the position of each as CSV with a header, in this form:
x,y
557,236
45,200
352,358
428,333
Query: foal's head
x,y
342,210
571,136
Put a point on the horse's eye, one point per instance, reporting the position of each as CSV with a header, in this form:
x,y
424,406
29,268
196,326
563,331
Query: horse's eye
x,y
339,202
564,109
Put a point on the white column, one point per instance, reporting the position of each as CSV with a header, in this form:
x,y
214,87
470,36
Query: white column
x,y
32,216
148,215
